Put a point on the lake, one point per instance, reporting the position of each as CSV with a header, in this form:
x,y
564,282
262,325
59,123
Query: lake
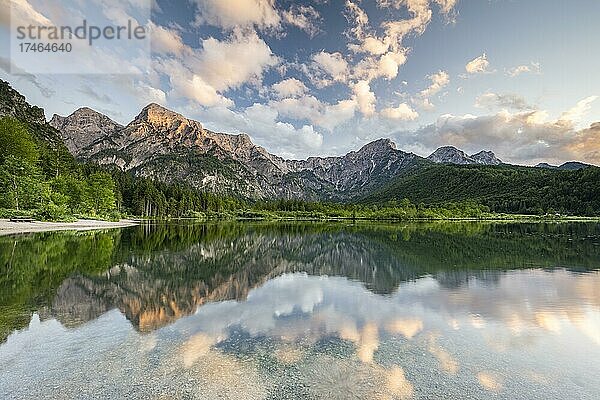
x,y
303,311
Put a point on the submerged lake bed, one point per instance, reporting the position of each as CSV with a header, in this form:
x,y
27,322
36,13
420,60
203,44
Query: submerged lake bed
x,y
303,311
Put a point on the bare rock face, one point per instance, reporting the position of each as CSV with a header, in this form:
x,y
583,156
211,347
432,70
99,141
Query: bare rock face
x,y
14,104
164,145
452,155
84,129
375,163
486,158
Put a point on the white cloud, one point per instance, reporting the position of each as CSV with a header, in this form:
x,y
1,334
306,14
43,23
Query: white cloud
x,y
385,54
231,14
303,17
479,65
370,45
358,17
386,66
193,87
148,94
305,107
334,115
230,63
446,6
575,114
491,101
308,107
534,68
396,30
22,13
290,87
403,112
264,118
333,65
364,97
261,122
438,81
166,41
526,137
423,103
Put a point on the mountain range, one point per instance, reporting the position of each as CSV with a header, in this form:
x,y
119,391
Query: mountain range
x,y
165,146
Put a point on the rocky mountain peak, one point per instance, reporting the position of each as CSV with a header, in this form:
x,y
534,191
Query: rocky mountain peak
x,y
156,121
84,127
160,116
452,155
486,158
14,104
83,116
86,111
379,145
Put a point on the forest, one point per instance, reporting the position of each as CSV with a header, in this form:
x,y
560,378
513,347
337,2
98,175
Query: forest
x,y
41,179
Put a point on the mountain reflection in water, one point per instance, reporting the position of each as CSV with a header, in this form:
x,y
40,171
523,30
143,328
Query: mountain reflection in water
x,y
304,311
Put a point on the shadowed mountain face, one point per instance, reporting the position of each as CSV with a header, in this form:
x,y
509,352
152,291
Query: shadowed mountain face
x,y
155,275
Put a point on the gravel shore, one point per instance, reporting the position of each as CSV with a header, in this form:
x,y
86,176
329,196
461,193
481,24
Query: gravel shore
x,y
9,228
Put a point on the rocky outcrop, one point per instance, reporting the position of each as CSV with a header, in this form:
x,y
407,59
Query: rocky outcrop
x,y
486,158
452,155
86,131
13,104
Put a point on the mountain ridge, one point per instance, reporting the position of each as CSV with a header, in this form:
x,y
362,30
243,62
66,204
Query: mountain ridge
x,y
147,146
452,155
567,166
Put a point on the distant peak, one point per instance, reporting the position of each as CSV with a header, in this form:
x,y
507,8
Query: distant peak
x,y
484,152
86,111
486,157
83,115
573,166
545,165
156,107
379,144
448,148
452,155
449,151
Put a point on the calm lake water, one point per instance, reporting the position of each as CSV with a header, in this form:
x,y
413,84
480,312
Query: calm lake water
x,y
302,311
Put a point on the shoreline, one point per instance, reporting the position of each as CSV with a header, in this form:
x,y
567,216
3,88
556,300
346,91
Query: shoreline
x,y
14,228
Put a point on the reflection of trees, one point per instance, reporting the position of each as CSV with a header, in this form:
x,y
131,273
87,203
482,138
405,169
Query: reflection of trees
x,y
32,267
155,274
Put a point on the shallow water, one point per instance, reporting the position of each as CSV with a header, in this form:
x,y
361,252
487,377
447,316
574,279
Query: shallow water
x,y
283,311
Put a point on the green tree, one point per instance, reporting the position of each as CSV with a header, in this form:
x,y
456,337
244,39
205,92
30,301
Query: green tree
x,y
20,182
15,140
100,193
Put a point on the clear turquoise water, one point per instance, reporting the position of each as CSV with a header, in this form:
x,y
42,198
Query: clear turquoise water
x,y
284,311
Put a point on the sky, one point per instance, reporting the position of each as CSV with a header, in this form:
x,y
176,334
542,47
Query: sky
x,y
324,77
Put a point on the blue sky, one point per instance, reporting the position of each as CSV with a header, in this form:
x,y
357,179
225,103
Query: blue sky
x,y
318,77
